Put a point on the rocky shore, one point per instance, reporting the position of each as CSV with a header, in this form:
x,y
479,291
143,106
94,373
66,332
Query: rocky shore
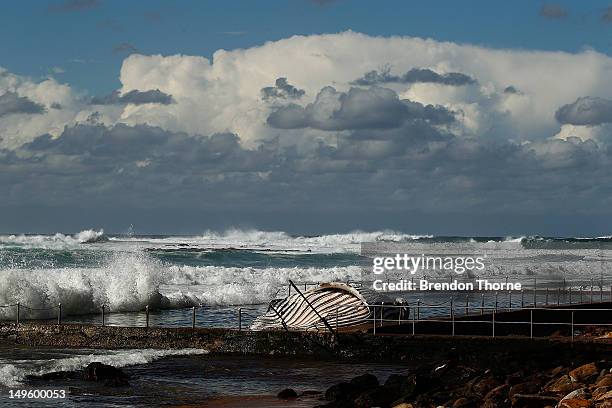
x,y
451,384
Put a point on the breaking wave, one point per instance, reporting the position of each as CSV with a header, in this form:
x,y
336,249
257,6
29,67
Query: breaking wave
x,y
14,372
57,241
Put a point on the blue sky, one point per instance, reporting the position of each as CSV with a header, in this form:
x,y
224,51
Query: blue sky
x,y
39,36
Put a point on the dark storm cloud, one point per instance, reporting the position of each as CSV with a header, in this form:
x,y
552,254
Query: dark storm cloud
x,y
372,108
134,97
588,110
415,75
282,89
73,5
11,103
414,167
553,11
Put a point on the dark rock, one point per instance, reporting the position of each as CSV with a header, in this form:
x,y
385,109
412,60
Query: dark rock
x,y
310,392
523,388
400,385
111,376
287,393
533,400
365,382
377,397
497,397
340,391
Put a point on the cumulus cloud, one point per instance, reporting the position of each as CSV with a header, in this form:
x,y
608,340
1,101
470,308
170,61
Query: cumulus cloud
x,y
11,103
373,108
281,89
134,97
415,75
318,139
553,11
587,110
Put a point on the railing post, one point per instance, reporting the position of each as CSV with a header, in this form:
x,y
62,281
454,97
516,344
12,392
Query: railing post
x,y
591,296
418,314
510,300
382,306
496,297
289,291
374,319
450,314
18,311
531,324
239,319
482,303
467,304
103,316
193,317
413,324
522,298
59,313
147,316
453,320
572,325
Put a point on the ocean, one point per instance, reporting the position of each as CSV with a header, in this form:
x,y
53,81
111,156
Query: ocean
x,y
220,272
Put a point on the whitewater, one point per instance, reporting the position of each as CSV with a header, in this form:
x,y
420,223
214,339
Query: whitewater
x,y
124,273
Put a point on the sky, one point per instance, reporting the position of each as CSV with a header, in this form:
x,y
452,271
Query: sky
x,y
439,117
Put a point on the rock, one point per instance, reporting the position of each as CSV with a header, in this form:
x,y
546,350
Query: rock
x,y
497,397
309,393
287,393
600,391
400,385
464,402
532,400
365,382
561,385
582,373
523,388
605,381
113,377
377,397
605,397
581,393
403,405
574,403
340,391
484,385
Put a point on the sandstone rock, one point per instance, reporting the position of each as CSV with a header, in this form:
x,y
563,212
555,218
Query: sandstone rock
x,y
497,397
583,372
574,403
605,397
599,391
581,393
287,393
532,400
605,381
465,402
523,388
561,385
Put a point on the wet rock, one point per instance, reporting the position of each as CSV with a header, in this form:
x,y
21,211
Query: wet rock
x,y
111,376
497,397
465,402
365,382
581,393
340,391
287,393
600,391
562,385
574,403
584,372
533,400
310,393
484,385
523,388
604,381
377,397
400,385
605,398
